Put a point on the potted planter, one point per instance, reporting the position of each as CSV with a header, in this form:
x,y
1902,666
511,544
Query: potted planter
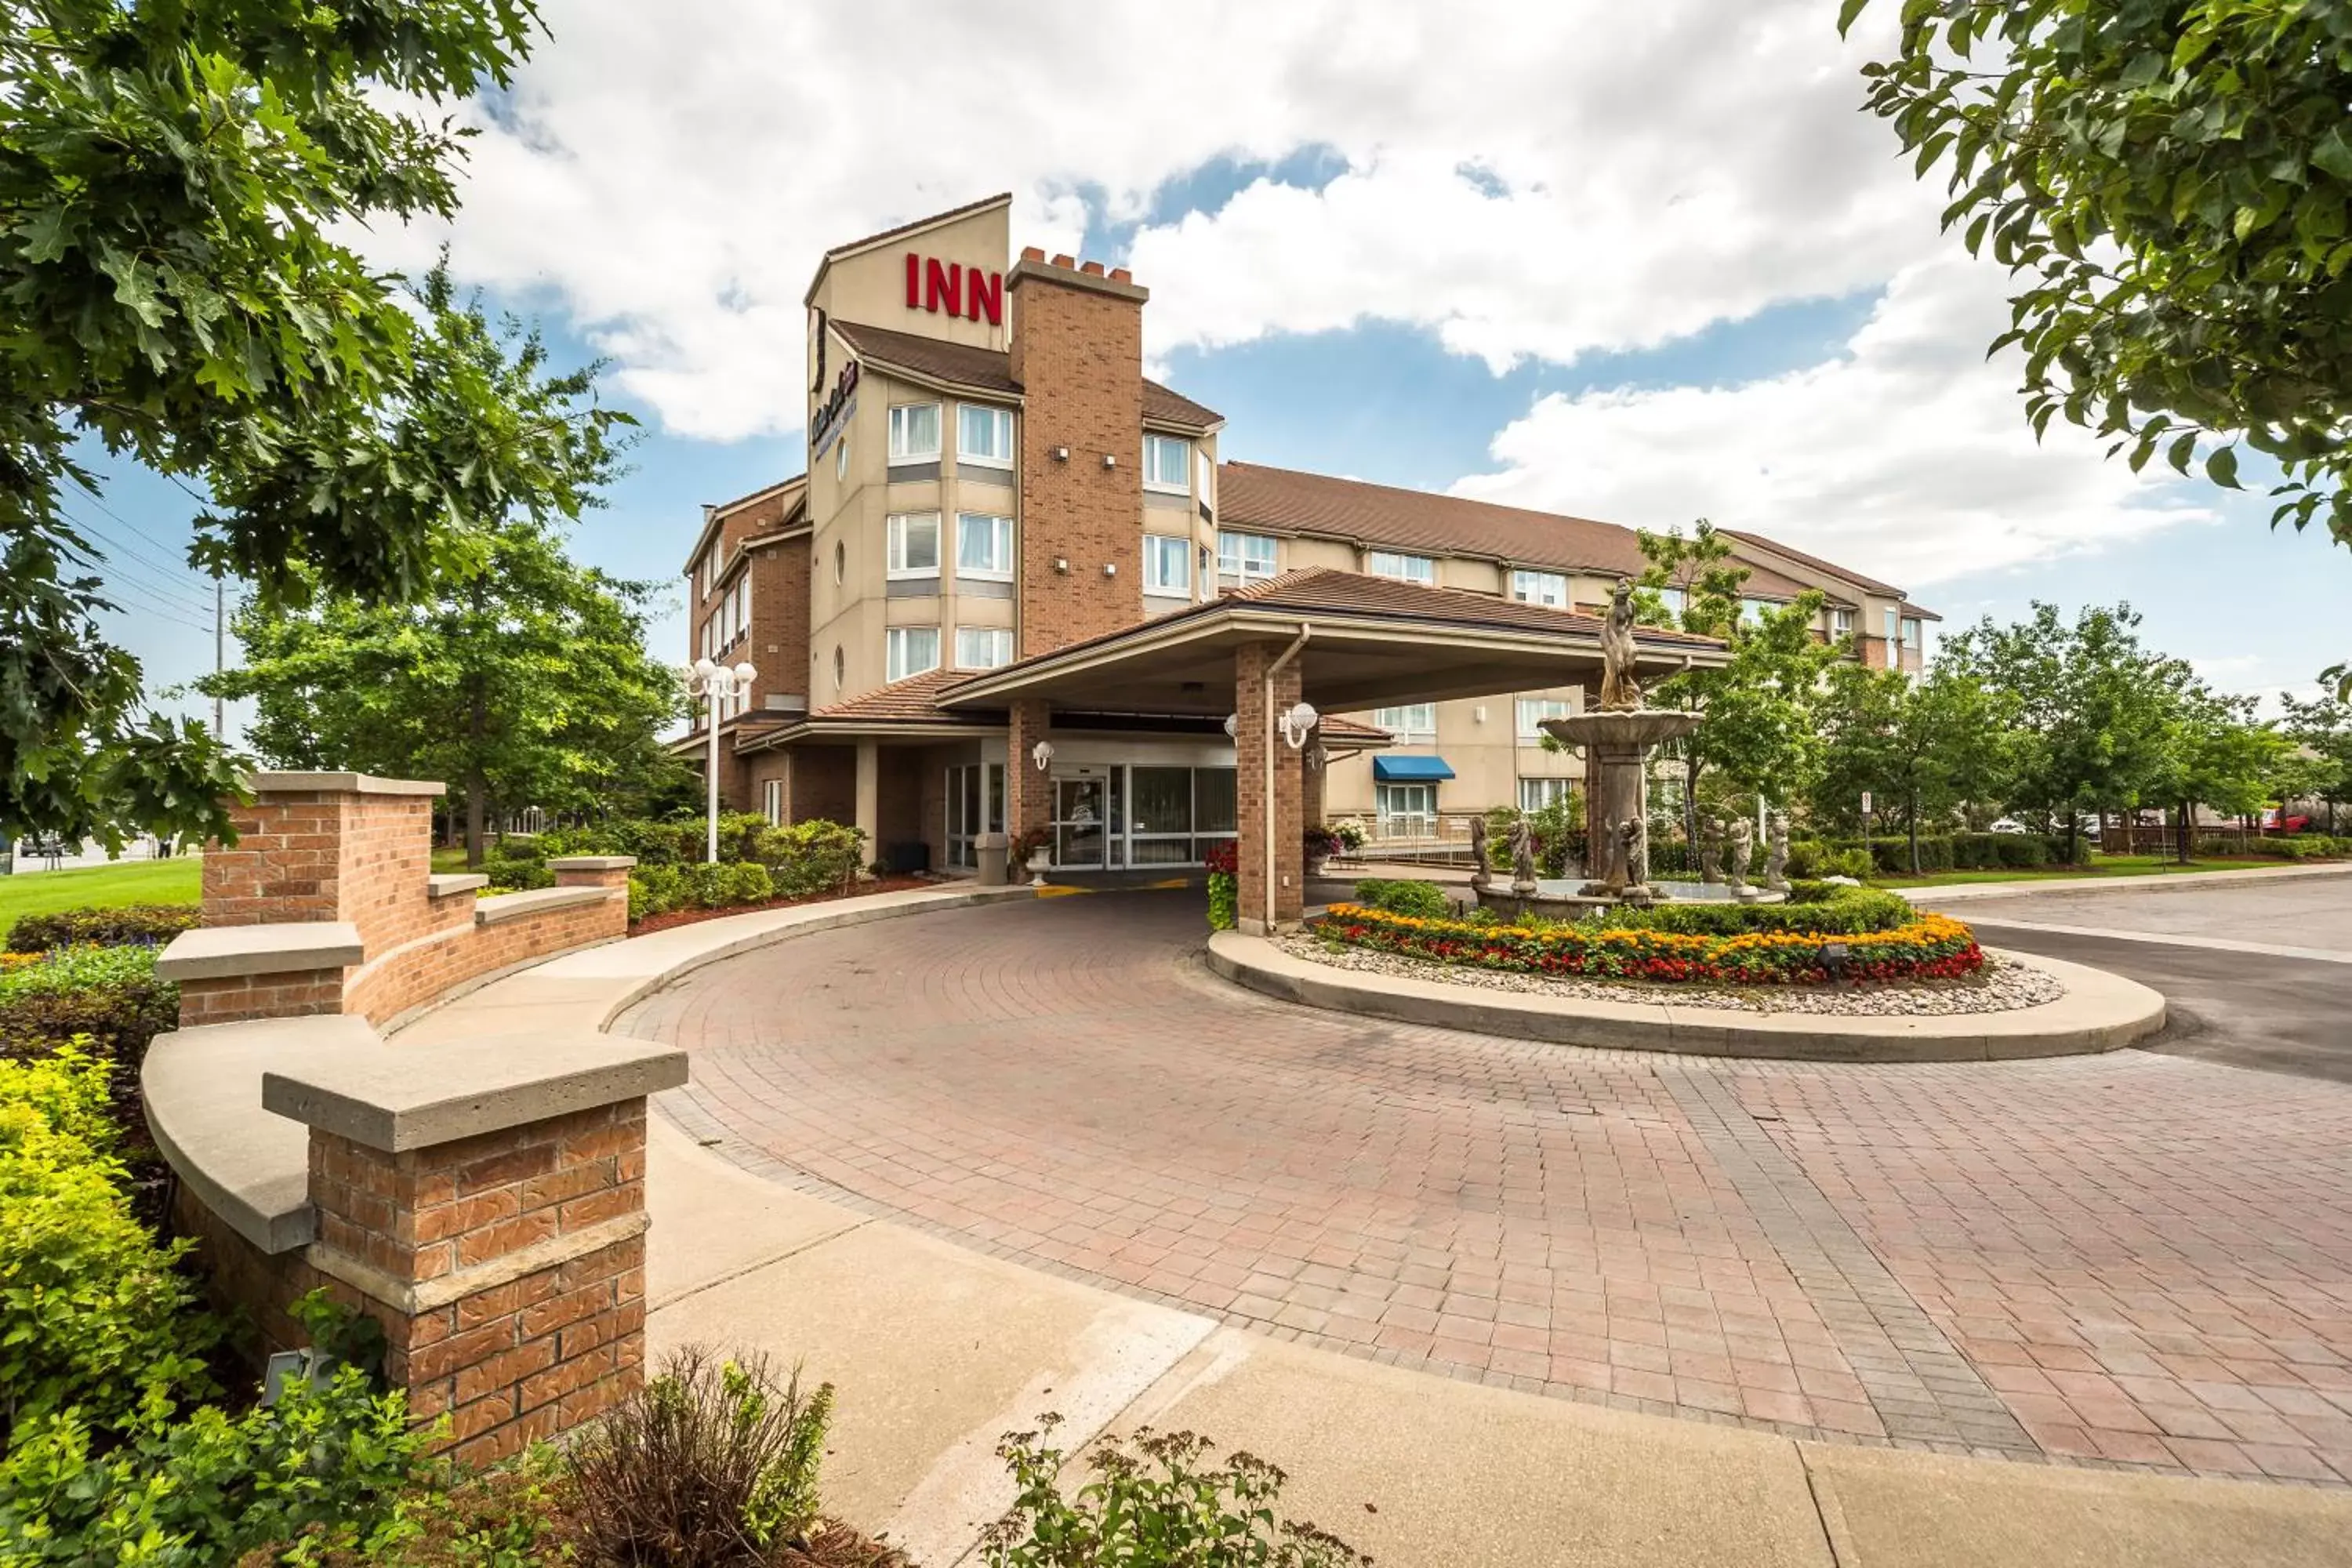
x,y
1322,843
1033,851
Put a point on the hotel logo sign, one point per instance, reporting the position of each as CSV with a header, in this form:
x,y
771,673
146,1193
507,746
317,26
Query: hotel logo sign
x,y
935,286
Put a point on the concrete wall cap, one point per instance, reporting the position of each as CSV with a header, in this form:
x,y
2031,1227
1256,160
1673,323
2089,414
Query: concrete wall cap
x,y
216,952
538,901
592,863
202,1090
443,884
340,783
415,1097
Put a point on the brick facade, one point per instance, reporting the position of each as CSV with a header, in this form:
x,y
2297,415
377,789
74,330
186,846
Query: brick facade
x,y
1254,737
1028,793
1077,345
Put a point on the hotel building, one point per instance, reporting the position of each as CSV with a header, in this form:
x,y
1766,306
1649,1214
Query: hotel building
x,y
1017,587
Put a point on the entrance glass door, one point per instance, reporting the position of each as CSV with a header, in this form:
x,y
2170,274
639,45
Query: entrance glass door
x,y
1080,824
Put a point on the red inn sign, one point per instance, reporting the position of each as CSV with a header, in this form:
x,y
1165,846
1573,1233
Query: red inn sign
x,y
933,285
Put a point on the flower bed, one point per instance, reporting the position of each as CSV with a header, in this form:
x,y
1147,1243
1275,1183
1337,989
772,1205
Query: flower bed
x,y
1932,947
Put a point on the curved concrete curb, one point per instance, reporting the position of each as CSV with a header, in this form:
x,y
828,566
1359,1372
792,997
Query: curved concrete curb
x,y
2100,1011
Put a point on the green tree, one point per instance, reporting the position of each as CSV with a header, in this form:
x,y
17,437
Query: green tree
x,y
2321,728
2092,712
526,683
1756,730
2215,755
170,177
2171,181
1924,747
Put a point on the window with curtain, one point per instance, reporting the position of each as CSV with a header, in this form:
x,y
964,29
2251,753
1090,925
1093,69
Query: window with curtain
x,y
983,435
1403,568
984,547
914,544
910,651
915,433
1167,566
1167,464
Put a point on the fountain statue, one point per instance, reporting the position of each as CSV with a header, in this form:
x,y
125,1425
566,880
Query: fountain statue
x,y
1742,836
1776,856
1634,858
1479,868
1710,852
1620,692
1523,858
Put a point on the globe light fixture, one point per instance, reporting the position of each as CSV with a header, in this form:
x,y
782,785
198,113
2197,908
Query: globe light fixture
x,y
716,685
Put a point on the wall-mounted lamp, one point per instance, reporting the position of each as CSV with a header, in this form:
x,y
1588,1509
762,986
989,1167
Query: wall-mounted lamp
x,y
1061,565
1298,724
1061,454
1110,459
1042,754
1110,568
1233,725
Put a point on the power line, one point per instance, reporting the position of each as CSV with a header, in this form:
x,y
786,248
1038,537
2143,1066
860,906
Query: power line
x,y
126,564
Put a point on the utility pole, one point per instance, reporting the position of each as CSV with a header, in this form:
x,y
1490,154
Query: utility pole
x,y
220,654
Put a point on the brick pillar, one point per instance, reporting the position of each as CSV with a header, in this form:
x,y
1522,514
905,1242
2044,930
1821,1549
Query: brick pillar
x,y
1253,738
497,1237
1028,793
1310,796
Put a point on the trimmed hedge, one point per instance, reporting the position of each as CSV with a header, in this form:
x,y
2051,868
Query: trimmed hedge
x,y
1932,947
1850,911
658,889
155,924
2298,846
1891,856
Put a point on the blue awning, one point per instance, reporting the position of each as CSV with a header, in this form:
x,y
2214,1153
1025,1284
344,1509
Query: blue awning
x,y
1409,770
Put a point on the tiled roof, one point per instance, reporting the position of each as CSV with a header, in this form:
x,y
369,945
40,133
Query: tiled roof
x,y
914,700
1354,732
1856,578
1322,589
1908,608
910,227
992,370
1284,499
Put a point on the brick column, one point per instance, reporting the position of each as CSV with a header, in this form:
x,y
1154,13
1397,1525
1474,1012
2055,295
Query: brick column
x,y
1028,793
1253,738
487,1210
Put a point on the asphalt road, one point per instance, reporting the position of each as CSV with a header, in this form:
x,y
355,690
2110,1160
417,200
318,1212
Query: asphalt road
x,y
2251,1010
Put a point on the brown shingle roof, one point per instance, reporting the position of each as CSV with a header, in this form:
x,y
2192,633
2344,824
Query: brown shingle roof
x,y
990,370
1324,589
914,700
1287,499
1856,578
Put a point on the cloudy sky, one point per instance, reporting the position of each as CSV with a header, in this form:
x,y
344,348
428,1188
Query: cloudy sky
x,y
1646,263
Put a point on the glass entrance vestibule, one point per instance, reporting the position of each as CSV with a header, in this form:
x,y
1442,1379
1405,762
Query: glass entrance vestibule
x,y
1118,815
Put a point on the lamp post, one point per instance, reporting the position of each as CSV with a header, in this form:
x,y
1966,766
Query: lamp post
x,y
715,683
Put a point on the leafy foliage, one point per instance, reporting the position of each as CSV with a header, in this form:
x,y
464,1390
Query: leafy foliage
x,y
1156,1503
2172,185
1921,748
100,1001
170,177
712,1463
150,924
1403,898
1848,912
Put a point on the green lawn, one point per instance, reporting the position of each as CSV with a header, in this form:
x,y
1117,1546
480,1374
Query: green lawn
x,y
2100,866
175,881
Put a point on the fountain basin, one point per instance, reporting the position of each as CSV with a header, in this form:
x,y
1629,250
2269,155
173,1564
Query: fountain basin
x,y
1642,728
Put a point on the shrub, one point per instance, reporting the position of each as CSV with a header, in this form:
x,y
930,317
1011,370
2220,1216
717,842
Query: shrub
x,y
1931,947
712,1462
106,997
655,890
653,843
516,873
154,924
1157,1504
1350,834
725,884
1223,861
810,858
1426,900
94,1313
1848,912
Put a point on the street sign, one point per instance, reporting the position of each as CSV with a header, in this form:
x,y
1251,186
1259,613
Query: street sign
x,y
1865,803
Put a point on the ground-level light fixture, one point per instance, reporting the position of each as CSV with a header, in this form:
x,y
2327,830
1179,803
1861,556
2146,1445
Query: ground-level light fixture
x,y
1833,959
716,684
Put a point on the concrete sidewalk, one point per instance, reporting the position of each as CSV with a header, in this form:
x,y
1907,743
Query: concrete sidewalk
x,y
2180,881
937,1349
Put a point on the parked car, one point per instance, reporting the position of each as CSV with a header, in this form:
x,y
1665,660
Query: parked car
x,y
2006,824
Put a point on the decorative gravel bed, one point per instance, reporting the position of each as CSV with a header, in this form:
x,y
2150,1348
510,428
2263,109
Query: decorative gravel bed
x,y
2000,986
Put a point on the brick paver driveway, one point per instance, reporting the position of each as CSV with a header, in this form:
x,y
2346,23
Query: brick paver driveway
x,y
2136,1258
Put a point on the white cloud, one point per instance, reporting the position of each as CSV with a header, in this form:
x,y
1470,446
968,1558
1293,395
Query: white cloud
x,y
1906,456
669,173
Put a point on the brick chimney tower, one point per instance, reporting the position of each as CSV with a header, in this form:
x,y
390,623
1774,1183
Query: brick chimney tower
x,y
1076,346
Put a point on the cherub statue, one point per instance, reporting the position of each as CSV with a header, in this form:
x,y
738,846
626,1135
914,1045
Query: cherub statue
x,y
1776,856
1740,836
1710,850
1635,832
1620,692
1479,868
1523,856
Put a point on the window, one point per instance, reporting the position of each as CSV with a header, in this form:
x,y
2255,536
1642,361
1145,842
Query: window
x,y
1405,810
1167,464
1677,601
1167,566
1841,621
983,435
1892,632
1403,568
1205,481
1911,631
841,460
911,650
1534,711
983,647
772,801
1750,609
1412,719
1248,556
915,433
984,547
915,544
1535,795
1540,588
840,561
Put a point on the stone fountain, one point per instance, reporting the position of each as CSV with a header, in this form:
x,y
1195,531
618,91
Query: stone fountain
x,y
1617,738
